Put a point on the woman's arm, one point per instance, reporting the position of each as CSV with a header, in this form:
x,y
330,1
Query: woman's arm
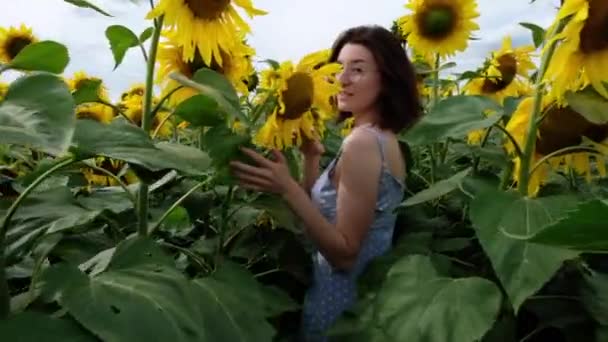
x,y
360,165
311,172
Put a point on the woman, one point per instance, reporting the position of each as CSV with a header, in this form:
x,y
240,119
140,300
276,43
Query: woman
x,y
347,210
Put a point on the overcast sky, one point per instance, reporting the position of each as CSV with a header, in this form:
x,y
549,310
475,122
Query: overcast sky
x,y
291,29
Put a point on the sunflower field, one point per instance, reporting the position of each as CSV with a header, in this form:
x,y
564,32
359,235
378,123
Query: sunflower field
x,y
120,220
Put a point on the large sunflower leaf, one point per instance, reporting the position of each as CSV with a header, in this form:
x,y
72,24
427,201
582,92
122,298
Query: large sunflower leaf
x,y
38,112
584,229
437,190
222,296
56,210
137,286
415,303
47,328
123,141
522,267
42,56
453,117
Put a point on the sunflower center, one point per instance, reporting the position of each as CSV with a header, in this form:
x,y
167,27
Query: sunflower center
x,y
437,22
208,9
298,96
563,127
594,35
197,63
507,65
87,114
15,45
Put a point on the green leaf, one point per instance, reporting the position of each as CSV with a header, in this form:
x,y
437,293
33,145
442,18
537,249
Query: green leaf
x,y
538,33
178,220
56,210
87,4
588,103
42,56
584,229
48,329
278,210
200,110
216,86
123,141
437,190
38,112
223,144
522,267
121,39
595,296
88,91
136,287
146,34
453,117
415,303
223,295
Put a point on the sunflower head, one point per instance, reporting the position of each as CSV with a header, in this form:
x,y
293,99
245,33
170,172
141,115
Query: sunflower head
x,y
95,111
133,109
504,74
561,127
439,26
78,80
303,93
13,40
116,167
236,66
582,51
136,90
209,26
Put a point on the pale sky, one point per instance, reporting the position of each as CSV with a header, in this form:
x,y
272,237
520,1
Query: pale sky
x,y
291,29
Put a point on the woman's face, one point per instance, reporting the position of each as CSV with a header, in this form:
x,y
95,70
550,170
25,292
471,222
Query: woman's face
x,y
360,79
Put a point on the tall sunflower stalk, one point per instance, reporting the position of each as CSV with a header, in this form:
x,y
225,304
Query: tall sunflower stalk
x,y
539,89
146,121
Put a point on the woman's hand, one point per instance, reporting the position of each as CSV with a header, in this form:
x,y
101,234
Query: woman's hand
x,y
267,176
311,148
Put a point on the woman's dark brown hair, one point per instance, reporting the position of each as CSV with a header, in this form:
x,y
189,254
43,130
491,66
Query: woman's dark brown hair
x,y
398,99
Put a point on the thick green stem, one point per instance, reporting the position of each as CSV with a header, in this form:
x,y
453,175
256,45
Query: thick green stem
x,y
4,293
434,100
146,120
224,224
539,86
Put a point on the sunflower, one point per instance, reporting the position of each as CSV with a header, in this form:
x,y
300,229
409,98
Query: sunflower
x,y
136,90
209,26
581,58
303,94
95,111
439,26
561,127
133,109
504,74
236,67
78,80
13,40
3,90
116,167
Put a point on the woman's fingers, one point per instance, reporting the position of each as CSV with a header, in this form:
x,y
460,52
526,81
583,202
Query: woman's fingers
x,y
258,158
244,168
253,182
